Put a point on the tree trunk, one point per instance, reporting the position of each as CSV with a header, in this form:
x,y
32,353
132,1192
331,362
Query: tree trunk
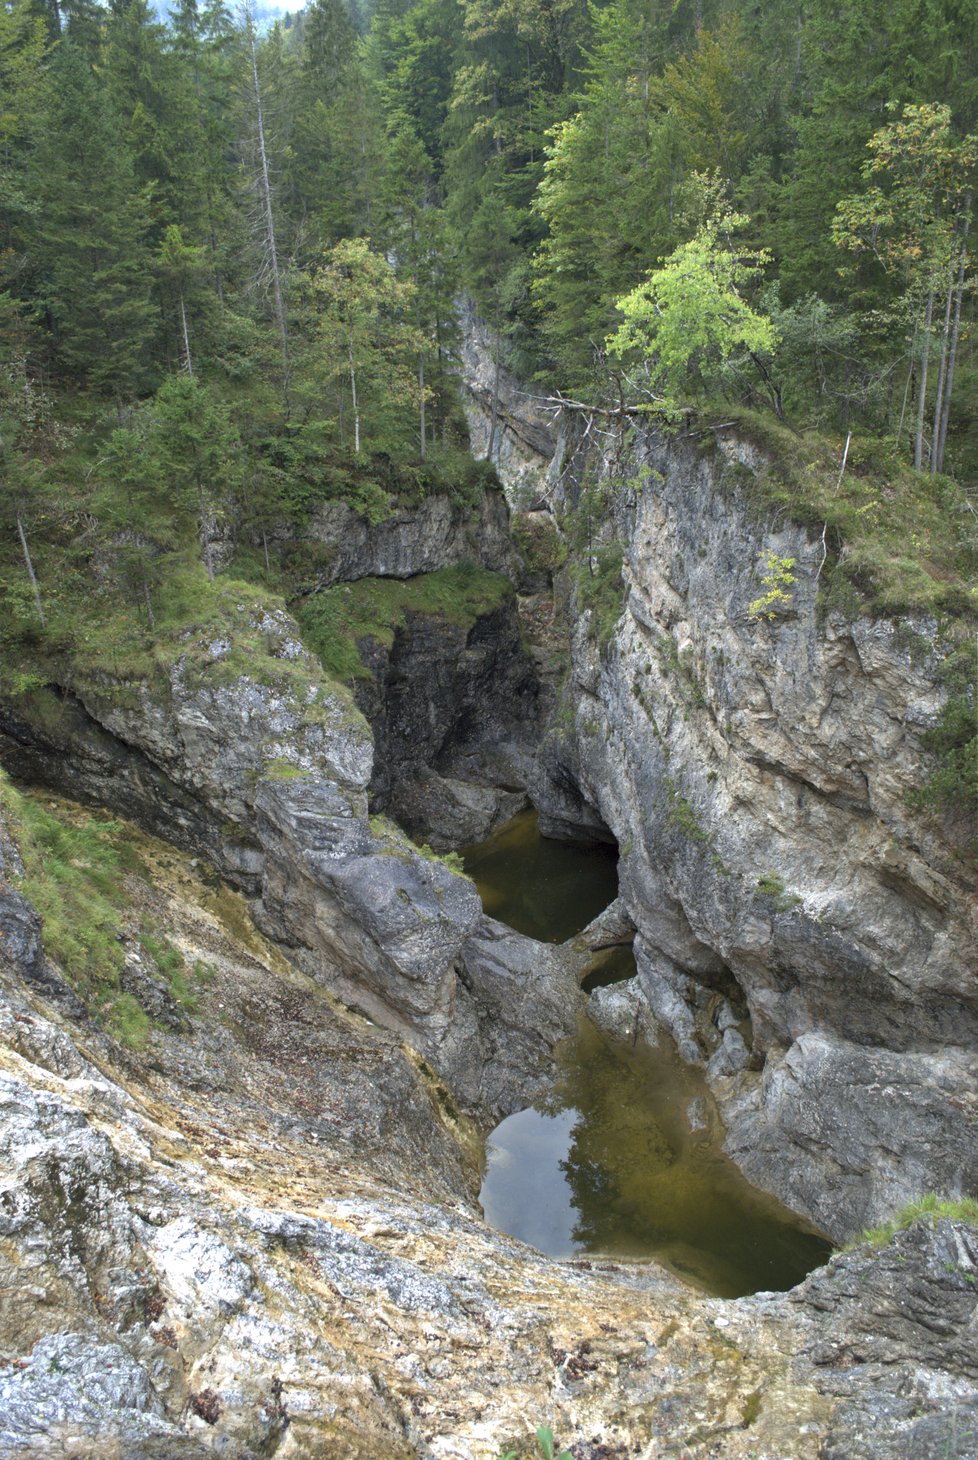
x,y
941,376
906,390
955,333
187,358
421,407
148,602
918,444
356,407
205,535
265,188
30,571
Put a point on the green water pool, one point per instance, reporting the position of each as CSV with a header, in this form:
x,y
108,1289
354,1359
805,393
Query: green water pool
x,y
623,1158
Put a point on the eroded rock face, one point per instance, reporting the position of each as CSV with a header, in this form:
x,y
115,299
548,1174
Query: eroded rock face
x,y
268,774
366,901
756,777
257,1237
455,718
525,436
420,538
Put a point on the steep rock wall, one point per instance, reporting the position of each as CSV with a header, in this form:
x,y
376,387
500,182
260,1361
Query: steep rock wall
x,y
756,776
525,435
239,747
417,537
797,929
455,718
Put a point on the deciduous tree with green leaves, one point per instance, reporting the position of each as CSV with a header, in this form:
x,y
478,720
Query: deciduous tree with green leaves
x,y
367,343
690,317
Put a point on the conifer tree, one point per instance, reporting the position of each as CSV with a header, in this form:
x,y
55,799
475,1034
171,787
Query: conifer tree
x,y
93,261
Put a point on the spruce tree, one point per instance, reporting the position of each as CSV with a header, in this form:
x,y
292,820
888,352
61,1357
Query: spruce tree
x,y
90,237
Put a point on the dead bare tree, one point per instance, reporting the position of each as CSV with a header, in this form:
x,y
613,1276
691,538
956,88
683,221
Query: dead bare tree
x,y
265,194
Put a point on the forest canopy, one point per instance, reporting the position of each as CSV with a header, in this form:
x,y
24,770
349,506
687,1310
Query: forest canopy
x,y
232,253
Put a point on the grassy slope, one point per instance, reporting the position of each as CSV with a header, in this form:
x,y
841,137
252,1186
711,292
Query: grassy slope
x,y
78,868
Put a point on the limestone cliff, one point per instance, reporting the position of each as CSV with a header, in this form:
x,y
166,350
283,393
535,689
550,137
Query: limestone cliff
x,y
235,744
797,928
758,773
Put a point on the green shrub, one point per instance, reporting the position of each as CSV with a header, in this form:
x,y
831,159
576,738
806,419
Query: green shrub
x,y
952,782
540,543
172,966
775,577
125,1019
682,814
75,866
600,587
897,540
73,873
769,884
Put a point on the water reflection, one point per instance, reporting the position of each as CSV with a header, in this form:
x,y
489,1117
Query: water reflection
x,y
610,1164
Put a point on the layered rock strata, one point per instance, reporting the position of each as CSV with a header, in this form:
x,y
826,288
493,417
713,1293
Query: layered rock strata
x,y
267,772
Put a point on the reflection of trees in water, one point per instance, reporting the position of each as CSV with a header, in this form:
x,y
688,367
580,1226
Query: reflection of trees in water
x,y
642,1184
592,1193
616,1142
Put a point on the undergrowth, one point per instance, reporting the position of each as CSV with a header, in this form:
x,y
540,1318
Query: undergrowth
x,y
898,540
600,587
75,869
951,784
597,560
392,836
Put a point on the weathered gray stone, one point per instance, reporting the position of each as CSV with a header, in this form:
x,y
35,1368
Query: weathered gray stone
x,y
731,1056
624,1011
522,998
525,435
451,703
417,538
848,1133
756,776
387,923
73,1389
284,1258
448,812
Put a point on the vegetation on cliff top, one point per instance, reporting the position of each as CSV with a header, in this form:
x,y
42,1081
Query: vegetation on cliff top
x,y
228,273
339,620
897,540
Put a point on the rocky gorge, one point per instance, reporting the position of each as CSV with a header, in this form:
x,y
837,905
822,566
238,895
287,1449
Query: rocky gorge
x,y
257,1234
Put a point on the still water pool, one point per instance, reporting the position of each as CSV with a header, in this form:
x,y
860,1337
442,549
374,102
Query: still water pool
x,y
547,889
621,1159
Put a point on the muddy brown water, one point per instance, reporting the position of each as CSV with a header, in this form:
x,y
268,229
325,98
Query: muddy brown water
x,y
624,1157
